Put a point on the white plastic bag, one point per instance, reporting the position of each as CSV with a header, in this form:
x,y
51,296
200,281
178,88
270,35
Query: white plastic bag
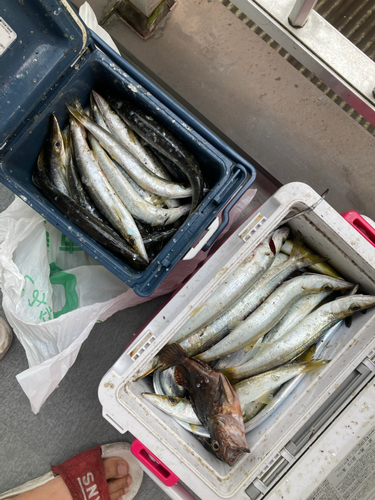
x,y
54,293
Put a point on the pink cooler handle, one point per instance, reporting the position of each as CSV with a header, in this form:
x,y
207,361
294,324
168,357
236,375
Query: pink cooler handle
x,y
361,225
162,472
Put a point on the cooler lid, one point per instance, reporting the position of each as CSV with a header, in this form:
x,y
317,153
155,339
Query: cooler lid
x,y
39,41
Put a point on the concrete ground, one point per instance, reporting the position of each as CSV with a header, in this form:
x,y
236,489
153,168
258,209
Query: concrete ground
x,y
219,69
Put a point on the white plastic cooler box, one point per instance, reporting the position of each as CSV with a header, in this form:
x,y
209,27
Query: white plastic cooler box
x,y
305,448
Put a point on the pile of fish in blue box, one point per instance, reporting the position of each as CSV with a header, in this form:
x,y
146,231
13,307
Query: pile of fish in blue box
x,y
101,152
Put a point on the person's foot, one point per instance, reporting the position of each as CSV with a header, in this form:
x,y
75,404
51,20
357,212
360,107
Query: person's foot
x,y
6,337
116,472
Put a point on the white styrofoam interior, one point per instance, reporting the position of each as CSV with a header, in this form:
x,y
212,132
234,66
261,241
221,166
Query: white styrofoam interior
x,y
327,233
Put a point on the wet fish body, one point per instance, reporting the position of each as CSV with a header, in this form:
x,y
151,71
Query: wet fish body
x,y
137,206
102,192
302,308
164,141
93,227
202,339
236,284
214,402
302,337
127,136
135,169
271,311
55,157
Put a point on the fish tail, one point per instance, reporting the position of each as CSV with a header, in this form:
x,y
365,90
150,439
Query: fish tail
x,y
171,355
304,254
307,355
313,365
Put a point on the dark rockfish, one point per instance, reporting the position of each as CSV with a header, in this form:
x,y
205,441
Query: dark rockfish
x,y
214,401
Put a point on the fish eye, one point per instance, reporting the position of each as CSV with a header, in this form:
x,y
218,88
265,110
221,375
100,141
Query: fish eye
x,y
355,307
215,445
327,287
172,400
58,144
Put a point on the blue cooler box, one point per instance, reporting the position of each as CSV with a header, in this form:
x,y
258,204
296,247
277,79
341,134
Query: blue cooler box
x,y
47,57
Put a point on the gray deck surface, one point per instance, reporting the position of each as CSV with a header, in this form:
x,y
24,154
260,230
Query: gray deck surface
x,y
229,77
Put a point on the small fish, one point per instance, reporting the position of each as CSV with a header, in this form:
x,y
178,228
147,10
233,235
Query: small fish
x,y
93,227
214,401
101,191
137,206
302,337
135,169
127,136
76,189
235,284
260,322
160,138
164,383
204,338
55,157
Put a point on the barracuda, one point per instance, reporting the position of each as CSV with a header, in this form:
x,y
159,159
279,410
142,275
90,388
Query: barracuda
x,y
135,169
259,323
236,284
102,193
302,337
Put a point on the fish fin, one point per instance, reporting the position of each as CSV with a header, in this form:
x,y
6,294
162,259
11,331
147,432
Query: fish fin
x,y
194,428
260,347
180,376
304,254
265,399
313,365
227,390
234,324
257,346
228,373
306,355
172,354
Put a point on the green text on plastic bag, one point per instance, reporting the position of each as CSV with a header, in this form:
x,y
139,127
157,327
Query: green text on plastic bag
x,y
58,277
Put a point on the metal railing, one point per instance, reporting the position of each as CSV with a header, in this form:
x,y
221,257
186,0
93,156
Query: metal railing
x,y
321,48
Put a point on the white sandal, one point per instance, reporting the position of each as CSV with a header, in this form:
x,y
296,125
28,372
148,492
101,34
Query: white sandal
x,y
121,450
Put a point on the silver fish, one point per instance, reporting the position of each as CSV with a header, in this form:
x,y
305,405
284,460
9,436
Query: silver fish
x,y
252,390
136,148
202,339
136,205
247,332
127,137
165,384
296,313
55,157
236,284
146,195
284,392
302,337
135,169
102,192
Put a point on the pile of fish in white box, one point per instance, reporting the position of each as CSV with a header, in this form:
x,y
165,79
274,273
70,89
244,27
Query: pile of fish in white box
x,y
221,373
